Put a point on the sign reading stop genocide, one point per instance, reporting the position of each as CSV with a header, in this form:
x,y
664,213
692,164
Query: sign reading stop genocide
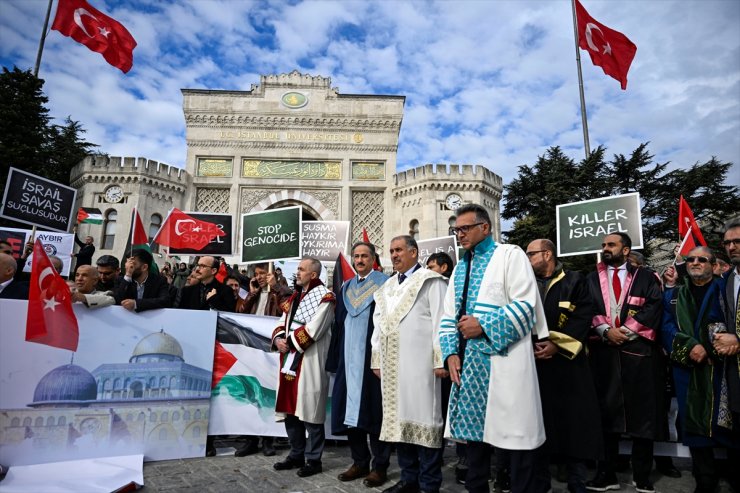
x,y
37,201
582,226
271,235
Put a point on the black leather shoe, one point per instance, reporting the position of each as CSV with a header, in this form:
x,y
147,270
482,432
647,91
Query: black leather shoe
x,y
312,467
403,487
268,450
288,463
603,482
246,449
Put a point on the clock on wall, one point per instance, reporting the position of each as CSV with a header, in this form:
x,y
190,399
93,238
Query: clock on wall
x,y
113,194
453,201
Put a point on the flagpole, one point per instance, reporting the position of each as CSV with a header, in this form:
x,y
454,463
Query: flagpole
x,y
584,118
42,40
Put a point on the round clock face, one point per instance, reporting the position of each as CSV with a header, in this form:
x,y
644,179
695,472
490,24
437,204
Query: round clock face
x,y
114,194
453,201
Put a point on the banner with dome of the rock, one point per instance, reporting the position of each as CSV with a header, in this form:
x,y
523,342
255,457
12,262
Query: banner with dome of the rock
x,y
139,383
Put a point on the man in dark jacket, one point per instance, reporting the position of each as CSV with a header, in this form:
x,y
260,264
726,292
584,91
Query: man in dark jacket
x,y
627,361
209,293
86,252
141,290
10,288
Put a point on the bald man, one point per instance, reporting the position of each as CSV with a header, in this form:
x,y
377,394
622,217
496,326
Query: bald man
x,y
86,279
11,289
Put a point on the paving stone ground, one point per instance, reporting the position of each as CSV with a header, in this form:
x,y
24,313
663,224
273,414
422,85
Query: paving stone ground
x,y
226,473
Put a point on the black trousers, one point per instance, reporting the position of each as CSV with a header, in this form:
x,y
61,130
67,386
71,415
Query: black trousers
x,y
361,455
642,457
522,466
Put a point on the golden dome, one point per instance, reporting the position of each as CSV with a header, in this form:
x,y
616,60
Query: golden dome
x,y
158,343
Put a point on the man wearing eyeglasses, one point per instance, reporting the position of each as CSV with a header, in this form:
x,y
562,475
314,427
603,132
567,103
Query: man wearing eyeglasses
x,y
689,329
491,309
569,404
627,361
208,293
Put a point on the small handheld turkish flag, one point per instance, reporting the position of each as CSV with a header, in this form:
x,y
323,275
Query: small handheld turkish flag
x,y
688,230
80,21
50,319
609,49
181,230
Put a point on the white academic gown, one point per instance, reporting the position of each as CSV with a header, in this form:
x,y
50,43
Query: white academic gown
x,y
406,320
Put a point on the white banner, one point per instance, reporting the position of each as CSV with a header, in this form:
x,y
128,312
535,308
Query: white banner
x,y
59,244
139,383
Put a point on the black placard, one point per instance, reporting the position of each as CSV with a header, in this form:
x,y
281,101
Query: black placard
x,y
222,245
37,201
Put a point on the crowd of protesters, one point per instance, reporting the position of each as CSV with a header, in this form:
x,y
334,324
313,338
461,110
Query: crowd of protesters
x,y
507,354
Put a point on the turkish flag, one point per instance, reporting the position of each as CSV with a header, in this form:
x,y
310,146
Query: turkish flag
x,y
181,230
50,319
688,229
609,49
366,239
78,20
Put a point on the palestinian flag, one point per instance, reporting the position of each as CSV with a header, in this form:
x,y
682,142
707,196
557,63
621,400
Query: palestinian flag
x,y
88,215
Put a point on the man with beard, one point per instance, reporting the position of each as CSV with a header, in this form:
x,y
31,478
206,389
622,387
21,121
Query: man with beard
x,y
406,358
569,405
356,400
85,290
697,368
627,361
208,293
141,290
303,338
266,296
109,273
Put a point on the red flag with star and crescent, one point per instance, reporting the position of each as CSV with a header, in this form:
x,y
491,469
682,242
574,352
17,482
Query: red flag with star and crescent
x,y
50,319
80,21
688,229
609,49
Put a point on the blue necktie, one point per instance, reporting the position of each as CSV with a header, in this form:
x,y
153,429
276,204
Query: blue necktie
x,y
401,278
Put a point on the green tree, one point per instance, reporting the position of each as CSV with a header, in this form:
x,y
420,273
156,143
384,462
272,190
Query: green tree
x,y
29,140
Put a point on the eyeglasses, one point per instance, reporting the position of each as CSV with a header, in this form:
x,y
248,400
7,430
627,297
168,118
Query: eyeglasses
x,y
701,260
534,252
734,241
465,229
202,266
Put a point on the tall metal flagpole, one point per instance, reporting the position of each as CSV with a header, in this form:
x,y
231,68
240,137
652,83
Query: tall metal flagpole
x,y
42,40
584,119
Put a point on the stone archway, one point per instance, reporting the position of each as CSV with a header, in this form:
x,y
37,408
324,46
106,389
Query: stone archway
x,y
296,197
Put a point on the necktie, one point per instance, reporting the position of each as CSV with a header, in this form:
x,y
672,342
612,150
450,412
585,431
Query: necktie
x,y
401,278
617,287
360,279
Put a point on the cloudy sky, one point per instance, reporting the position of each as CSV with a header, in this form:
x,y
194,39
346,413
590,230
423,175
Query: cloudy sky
x,y
489,82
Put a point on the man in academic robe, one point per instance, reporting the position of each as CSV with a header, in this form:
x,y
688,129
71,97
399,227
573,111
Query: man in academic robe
x,y
570,407
727,344
688,333
627,361
491,307
356,399
303,339
407,360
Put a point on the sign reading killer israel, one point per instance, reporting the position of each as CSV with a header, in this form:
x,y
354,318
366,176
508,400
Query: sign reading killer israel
x,y
271,235
220,245
582,226
443,244
37,201
325,240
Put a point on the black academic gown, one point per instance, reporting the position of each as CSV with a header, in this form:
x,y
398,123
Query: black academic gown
x,y
630,378
569,404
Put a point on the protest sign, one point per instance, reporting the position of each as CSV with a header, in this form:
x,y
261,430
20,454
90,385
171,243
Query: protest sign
x,y
59,244
140,383
271,235
325,240
37,201
444,244
221,245
582,226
